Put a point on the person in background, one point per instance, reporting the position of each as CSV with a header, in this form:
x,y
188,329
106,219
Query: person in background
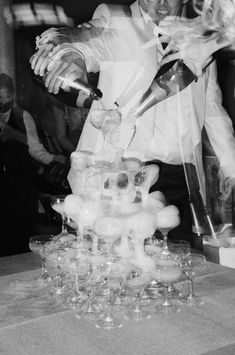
x,y
69,123
128,53
18,173
18,125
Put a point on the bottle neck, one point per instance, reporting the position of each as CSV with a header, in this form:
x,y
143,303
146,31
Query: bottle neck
x,y
171,78
77,94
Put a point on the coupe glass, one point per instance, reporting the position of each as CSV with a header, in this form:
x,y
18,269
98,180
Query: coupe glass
x,y
57,204
37,244
117,279
191,265
62,267
168,271
179,247
182,249
90,308
153,247
108,121
168,218
107,319
137,281
75,292
108,229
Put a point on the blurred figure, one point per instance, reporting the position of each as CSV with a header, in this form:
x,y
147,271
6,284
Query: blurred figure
x,y
18,127
69,123
17,175
23,163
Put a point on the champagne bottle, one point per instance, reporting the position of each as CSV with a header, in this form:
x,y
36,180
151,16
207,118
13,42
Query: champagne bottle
x,y
171,78
78,92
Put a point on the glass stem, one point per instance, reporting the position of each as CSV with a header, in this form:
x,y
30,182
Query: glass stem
x,y
43,268
63,228
165,247
90,294
191,289
108,315
166,302
77,284
122,290
137,308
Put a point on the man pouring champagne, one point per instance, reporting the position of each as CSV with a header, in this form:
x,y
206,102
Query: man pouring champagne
x,y
124,44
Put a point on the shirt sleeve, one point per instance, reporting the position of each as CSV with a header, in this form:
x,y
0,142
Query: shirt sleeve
x,y
95,43
36,148
98,49
219,126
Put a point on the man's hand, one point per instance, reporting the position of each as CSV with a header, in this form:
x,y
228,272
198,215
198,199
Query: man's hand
x,y
59,65
44,44
226,186
60,159
41,59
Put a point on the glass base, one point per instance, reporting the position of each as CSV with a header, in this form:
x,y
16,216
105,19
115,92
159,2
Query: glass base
x,y
155,289
92,312
166,309
108,322
44,276
173,292
57,287
194,301
137,315
122,301
89,311
72,301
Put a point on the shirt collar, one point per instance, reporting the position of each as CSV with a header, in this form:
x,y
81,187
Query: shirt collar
x,y
156,28
145,16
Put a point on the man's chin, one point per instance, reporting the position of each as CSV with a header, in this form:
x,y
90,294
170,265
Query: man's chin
x,y
156,17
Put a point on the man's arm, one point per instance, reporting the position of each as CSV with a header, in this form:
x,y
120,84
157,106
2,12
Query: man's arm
x,y
53,37
220,132
72,58
36,148
219,126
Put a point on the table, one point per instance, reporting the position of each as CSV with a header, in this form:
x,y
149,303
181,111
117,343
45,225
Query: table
x,y
33,324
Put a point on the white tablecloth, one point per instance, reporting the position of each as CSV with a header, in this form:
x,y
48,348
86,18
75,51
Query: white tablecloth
x,y
31,323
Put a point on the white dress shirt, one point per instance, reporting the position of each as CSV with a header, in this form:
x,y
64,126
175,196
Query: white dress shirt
x,y
169,131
